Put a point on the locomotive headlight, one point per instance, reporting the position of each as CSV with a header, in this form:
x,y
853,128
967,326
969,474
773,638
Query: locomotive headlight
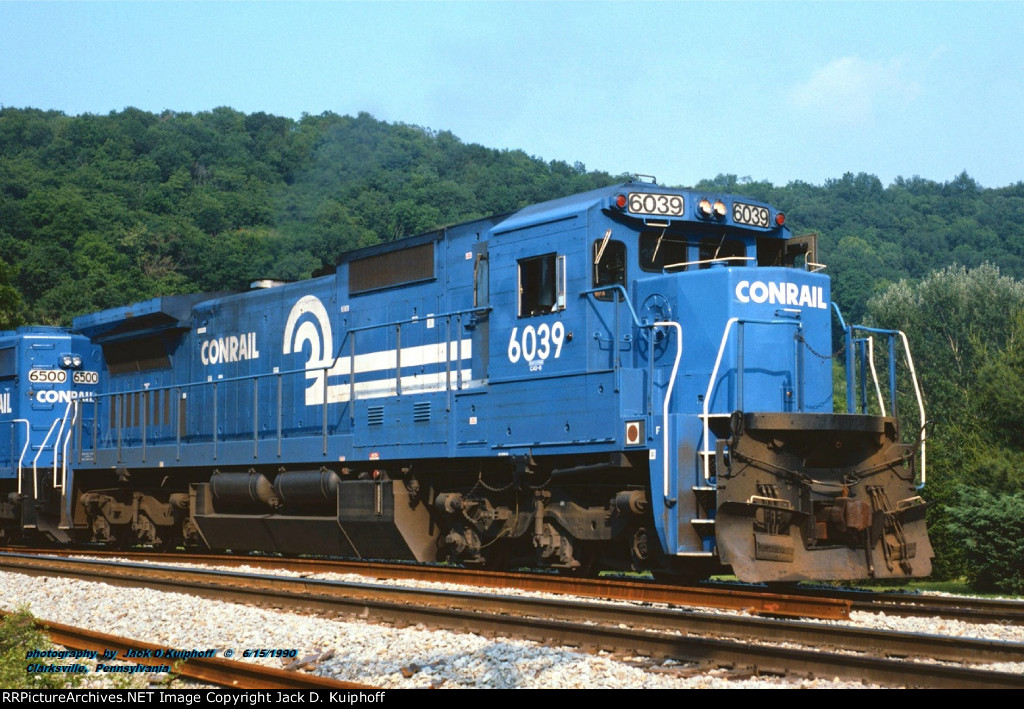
x,y
70,361
719,208
704,208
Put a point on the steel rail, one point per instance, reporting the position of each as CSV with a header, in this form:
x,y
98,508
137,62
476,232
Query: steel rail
x,y
968,609
210,670
747,600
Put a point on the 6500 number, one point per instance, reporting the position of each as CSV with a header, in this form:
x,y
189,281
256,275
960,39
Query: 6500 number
x,y
536,343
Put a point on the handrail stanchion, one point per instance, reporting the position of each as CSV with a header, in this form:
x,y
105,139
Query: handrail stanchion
x,y
255,419
664,406
28,438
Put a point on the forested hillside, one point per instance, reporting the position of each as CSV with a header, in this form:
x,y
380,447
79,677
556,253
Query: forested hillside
x,y
97,211
103,210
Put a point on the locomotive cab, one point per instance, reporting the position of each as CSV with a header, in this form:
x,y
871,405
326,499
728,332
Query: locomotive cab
x,y
757,470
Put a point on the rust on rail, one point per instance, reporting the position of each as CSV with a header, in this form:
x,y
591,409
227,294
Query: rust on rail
x,y
210,670
618,589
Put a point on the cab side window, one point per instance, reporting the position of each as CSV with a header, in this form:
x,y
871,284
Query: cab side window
x,y
609,266
541,285
7,362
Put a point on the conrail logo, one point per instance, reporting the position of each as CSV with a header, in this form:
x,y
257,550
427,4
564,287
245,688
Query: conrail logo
x,y
335,377
233,348
314,333
781,294
53,396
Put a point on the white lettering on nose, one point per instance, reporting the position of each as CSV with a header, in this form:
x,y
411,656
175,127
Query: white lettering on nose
x,y
781,294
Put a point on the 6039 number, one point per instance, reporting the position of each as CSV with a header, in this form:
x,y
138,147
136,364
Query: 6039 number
x,y
536,343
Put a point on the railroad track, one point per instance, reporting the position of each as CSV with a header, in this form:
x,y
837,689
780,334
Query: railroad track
x,y
740,599
799,602
972,610
753,644
207,670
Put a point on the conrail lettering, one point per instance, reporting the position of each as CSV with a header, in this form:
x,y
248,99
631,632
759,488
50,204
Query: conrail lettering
x,y
5,403
53,396
233,348
781,294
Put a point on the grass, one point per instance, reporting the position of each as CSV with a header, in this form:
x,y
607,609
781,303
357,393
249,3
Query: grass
x,y
957,587
18,635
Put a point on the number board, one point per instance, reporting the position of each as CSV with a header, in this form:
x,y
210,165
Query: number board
x,y
670,205
47,376
751,214
85,377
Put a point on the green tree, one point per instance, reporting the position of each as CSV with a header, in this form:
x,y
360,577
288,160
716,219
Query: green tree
x,y
10,301
960,324
991,531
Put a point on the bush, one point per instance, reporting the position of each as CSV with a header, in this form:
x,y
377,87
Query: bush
x,y
18,635
991,531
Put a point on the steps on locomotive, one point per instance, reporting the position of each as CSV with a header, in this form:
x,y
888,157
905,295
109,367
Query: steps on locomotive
x,y
702,521
704,525
696,529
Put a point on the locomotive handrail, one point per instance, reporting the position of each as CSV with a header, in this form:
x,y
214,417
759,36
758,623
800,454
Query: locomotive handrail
x,y
35,461
922,435
267,375
398,351
923,430
874,374
625,297
57,443
409,321
28,436
73,406
664,406
672,377
720,259
180,389
706,453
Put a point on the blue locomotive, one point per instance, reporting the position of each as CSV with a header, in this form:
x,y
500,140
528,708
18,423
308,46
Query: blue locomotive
x,y
635,377
46,375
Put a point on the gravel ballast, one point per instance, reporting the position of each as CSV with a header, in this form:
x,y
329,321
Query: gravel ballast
x,y
384,656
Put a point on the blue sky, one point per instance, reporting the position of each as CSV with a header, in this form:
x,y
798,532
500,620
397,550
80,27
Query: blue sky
x,y
776,91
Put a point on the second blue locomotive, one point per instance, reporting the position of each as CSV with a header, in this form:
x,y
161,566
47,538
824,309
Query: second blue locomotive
x,y
635,377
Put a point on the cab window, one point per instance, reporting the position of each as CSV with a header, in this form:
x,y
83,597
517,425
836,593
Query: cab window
x,y
609,259
660,249
719,249
541,285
